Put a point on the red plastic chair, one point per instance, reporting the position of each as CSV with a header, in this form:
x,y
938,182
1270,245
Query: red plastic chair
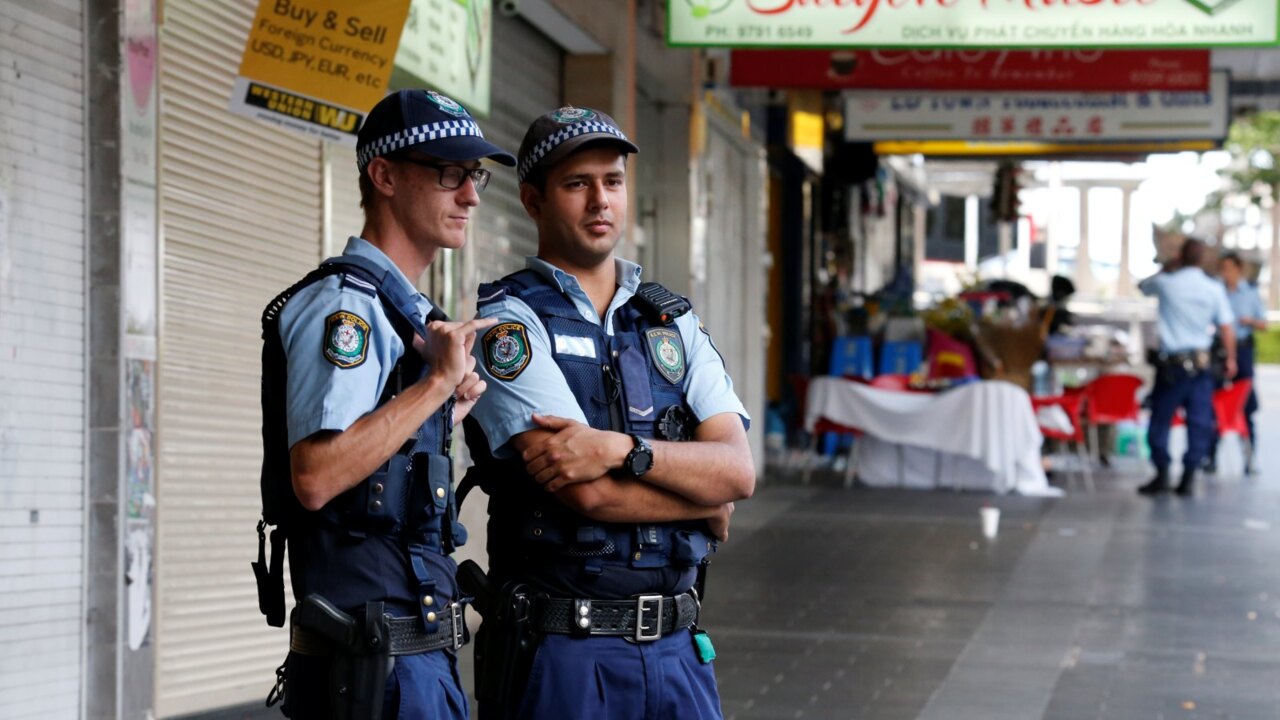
x,y
1073,404
1109,400
800,386
1228,412
823,425
1228,408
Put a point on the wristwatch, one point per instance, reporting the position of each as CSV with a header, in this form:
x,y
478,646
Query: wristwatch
x,y
640,459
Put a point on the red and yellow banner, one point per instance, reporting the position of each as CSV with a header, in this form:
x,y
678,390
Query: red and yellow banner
x,y
1072,70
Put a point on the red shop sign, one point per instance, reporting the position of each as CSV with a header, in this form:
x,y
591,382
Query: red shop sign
x,y
1075,70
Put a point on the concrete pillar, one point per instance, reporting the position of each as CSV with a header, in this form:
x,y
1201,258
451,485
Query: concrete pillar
x,y
1124,286
123,250
1273,289
1004,232
1053,235
971,232
1084,271
919,218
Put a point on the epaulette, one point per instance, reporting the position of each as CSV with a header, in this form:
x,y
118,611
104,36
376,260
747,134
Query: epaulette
x,y
352,281
490,293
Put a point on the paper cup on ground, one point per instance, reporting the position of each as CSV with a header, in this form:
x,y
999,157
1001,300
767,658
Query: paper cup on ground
x,y
990,521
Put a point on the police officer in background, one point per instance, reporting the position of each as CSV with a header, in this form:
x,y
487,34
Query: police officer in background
x,y
612,447
1251,315
363,381
1191,304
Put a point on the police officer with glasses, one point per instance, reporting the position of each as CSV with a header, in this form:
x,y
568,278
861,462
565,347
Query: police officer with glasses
x,y
612,447
1191,306
364,379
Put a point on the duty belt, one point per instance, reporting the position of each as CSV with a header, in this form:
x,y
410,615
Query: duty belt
x,y
405,633
643,619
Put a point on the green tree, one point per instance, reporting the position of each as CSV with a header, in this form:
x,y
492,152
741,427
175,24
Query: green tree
x,y
1254,143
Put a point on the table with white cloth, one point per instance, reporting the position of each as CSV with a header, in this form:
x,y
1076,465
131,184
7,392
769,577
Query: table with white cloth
x,y
978,436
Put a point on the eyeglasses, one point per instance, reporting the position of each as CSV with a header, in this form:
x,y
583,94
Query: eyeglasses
x,y
452,176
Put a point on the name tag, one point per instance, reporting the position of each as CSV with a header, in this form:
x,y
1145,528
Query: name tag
x,y
576,346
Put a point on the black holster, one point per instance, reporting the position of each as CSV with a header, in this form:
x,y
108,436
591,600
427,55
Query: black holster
x,y
1172,367
361,658
505,644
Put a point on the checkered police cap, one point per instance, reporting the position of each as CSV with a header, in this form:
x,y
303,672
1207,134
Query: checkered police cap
x,y
422,118
552,137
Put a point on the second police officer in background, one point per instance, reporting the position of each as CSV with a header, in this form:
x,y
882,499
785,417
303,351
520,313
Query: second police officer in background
x,y
363,380
1250,315
611,445
1191,305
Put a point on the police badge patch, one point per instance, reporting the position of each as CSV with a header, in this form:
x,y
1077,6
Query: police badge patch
x,y
567,115
346,339
667,352
447,104
506,350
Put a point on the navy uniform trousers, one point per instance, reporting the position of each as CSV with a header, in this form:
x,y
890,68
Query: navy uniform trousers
x,y
1194,394
1246,351
420,687
610,678
1245,355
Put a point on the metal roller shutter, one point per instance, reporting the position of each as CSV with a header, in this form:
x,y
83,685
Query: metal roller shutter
x,y
527,68
42,357
241,212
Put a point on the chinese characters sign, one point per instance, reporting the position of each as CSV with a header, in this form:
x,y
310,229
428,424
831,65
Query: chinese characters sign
x,y
1081,70
1055,117
971,23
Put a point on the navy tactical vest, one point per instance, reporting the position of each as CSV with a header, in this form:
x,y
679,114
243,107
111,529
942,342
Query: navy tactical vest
x,y
389,537
622,384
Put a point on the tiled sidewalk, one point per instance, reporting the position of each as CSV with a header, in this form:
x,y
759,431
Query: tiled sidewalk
x,y
889,604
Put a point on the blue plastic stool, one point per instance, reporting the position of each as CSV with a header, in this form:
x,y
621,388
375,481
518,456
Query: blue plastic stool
x,y
900,358
851,356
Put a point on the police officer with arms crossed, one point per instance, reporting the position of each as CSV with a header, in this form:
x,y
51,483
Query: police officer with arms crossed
x,y
612,447
363,381
1190,304
1250,315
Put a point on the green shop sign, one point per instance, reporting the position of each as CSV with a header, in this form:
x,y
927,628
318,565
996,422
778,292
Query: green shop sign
x,y
973,23
446,45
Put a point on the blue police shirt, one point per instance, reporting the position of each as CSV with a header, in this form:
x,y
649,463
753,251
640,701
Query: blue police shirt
x,y
341,349
322,395
1246,303
506,408
1191,305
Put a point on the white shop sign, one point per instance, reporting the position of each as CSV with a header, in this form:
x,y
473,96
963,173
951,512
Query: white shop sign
x,y
1053,117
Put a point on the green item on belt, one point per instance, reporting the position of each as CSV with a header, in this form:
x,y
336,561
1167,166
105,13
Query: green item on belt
x,y
702,645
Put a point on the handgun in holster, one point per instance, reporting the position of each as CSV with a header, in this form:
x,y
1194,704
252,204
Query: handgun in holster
x,y
362,655
505,644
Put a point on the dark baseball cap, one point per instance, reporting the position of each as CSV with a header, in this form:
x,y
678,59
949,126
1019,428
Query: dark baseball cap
x,y
428,121
552,137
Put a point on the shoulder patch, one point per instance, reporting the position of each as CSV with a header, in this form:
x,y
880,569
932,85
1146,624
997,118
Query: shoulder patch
x,y
506,350
346,339
666,349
